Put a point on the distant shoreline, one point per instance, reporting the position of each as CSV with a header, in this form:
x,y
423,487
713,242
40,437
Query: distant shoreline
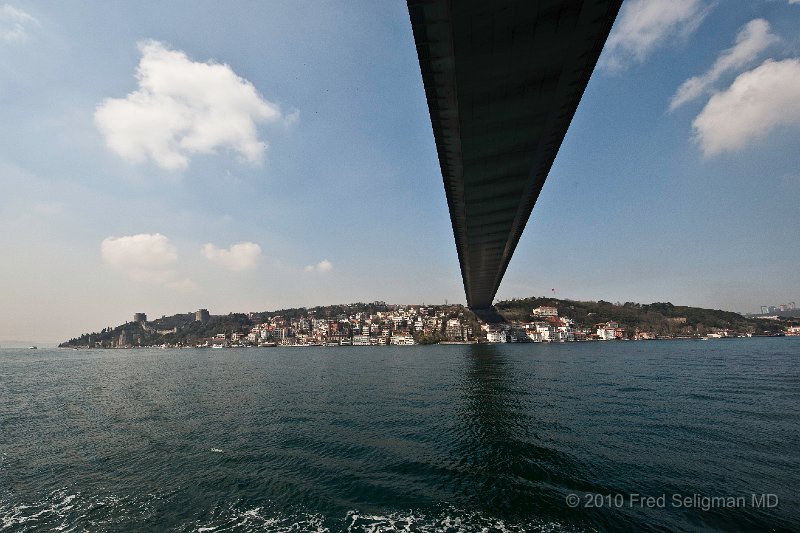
x,y
534,319
283,346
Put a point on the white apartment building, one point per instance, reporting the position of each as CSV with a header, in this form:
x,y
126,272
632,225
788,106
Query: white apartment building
x,y
606,333
402,340
361,340
545,311
496,336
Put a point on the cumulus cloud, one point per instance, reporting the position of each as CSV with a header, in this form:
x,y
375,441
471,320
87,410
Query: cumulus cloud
x,y
182,108
145,258
756,103
140,251
752,39
643,25
14,24
238,257
322,266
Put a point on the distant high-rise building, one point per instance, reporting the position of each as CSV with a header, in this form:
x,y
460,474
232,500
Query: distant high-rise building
x,y
202,315
140,317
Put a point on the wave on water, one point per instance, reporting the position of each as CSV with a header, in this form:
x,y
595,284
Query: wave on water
x,y
23,517
258,519
66,512
449,520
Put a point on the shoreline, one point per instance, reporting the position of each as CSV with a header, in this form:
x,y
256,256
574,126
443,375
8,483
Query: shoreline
x,y
445,343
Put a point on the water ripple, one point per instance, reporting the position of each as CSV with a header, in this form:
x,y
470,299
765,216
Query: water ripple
x,y
445,439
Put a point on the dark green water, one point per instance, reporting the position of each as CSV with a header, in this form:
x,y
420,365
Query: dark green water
x,y
441,438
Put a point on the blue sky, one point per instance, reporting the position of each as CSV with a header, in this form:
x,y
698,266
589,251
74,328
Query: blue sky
x,y
162,157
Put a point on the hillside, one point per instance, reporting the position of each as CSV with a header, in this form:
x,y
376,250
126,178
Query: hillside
x,y
662,318
183,329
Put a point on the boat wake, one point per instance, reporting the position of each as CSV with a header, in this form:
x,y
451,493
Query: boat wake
x,y
65,512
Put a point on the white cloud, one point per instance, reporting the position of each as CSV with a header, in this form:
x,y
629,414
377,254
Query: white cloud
x,y
643,25
238,257
322,266
182,108
145,258
751,40
14,24
756,103
140,251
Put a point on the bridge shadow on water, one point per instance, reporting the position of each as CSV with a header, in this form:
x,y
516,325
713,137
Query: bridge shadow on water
x,y
511,470
516,461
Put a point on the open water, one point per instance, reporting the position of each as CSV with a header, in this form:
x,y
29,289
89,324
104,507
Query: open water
x,y
438,438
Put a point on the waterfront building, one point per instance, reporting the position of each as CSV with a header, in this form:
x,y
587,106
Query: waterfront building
x,y
339,338
361,340
496,336
566,334
453,330
548,332
607,331
534,336
517,334
402,339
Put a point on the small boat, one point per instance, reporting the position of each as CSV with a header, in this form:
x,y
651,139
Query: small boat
x,y
32,348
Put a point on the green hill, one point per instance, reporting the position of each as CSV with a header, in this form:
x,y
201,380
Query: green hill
x,y
661,318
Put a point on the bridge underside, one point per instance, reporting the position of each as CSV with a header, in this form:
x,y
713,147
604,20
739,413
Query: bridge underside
x,y
503,79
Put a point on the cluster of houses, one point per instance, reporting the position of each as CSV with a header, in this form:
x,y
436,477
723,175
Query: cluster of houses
x,y
379,324
547,326
404,325
398,325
